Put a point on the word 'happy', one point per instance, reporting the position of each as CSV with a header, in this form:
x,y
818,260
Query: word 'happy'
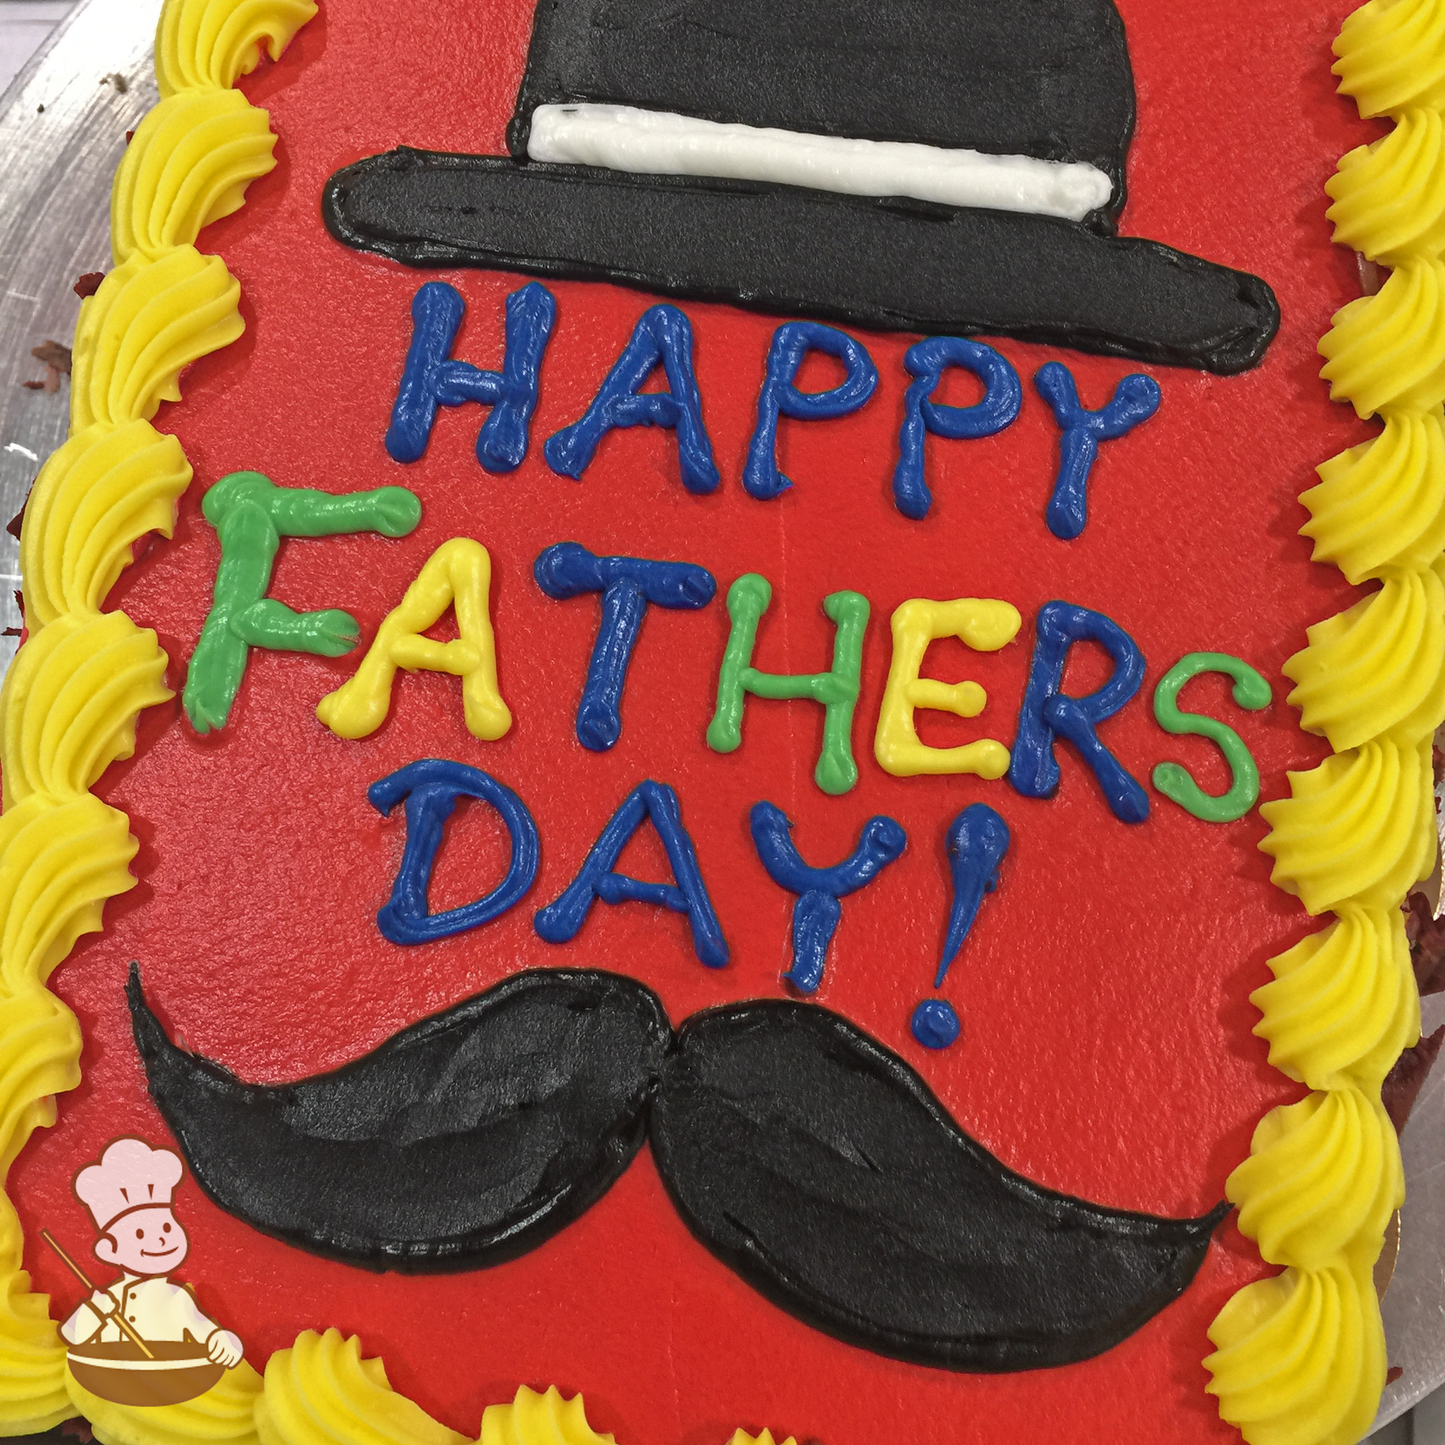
x,y
432,378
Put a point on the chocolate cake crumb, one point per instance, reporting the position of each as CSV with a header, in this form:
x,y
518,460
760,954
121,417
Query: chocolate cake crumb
x,y
116,79
89,283
53,353
1372,276
1403,1083
1393,1374
57,364
14,525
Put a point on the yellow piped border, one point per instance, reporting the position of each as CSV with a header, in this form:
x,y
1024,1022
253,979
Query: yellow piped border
x,y
70,702
1300,1358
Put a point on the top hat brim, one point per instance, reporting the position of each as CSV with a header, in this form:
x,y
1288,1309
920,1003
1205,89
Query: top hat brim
x,y
892,265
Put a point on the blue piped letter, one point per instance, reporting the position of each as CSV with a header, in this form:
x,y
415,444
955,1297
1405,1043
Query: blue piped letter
x,y
1135,400
663,334
431,788
817,911
1047,712
926,362
560,921
431,378
627,585
791,343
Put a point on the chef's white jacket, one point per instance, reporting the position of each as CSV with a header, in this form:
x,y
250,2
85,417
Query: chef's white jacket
x,y
155,1308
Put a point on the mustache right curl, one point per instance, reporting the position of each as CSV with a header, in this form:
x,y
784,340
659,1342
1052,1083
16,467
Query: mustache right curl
x,y
802,1153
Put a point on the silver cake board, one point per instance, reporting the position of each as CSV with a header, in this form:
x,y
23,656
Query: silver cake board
x,y
63,124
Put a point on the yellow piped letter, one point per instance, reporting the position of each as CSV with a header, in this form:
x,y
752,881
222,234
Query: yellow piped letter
x,y
981,623
458,574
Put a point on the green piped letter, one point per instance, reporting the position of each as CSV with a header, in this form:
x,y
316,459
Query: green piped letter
x,y
1250,691
251,514
837,689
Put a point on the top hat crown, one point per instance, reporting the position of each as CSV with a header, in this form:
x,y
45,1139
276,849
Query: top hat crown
x,y
1046,80
935,166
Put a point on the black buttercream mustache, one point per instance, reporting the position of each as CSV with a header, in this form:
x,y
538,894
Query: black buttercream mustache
x,y
800,1152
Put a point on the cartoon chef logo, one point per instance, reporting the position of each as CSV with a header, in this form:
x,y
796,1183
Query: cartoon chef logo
x,y
142,1339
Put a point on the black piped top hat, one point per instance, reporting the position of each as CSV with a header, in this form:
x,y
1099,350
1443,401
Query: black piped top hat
x,y
1044,80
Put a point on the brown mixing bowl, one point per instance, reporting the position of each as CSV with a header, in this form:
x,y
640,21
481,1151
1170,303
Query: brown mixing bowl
x,y
121,1374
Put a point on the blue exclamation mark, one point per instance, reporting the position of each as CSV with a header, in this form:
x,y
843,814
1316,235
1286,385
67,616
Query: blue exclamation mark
x,y
978,839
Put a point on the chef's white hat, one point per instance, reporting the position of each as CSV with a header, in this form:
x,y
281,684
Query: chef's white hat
x,y
130,1175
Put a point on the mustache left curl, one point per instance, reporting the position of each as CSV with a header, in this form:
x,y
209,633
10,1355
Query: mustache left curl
x,y
801,1152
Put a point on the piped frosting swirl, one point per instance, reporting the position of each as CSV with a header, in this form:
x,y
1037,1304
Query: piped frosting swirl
x,y
1392,56
211,44
322,1392
540,1419
1373,671
1389,197
1343,1003
1381,504
1386,352
1300,1359
1320,1174
1360,828
188,164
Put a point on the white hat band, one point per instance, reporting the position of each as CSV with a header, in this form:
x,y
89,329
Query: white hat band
x,y
649,142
